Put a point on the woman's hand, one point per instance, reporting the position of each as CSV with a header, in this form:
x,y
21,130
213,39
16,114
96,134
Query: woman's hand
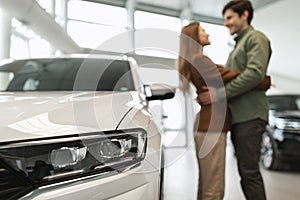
x,y
207,97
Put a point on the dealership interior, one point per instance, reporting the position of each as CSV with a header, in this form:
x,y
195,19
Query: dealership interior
x,y
148,31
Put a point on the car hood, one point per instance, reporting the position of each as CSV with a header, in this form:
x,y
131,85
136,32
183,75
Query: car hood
x,y
29,115
288,114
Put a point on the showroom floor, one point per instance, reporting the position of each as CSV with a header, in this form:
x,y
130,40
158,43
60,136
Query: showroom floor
x,y
181,176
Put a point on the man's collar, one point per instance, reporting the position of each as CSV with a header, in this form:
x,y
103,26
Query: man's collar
x,y
243,32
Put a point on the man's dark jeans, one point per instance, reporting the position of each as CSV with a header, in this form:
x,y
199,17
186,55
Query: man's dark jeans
x,y
246,138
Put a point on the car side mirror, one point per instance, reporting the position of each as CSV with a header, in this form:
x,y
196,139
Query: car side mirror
x,y
159,91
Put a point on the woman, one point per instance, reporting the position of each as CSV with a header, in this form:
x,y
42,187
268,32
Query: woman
x,y
210,138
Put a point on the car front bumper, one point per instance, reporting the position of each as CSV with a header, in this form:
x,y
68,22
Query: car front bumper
x,y
287,144
132,184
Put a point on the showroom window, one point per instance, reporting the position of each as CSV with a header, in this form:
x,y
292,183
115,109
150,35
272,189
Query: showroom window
x,y
39,47
90,24
26,43
146,20
152,20
219,37
19,47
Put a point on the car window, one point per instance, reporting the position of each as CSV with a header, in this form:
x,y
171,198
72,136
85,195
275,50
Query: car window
x,y
69,74
282,103
298,103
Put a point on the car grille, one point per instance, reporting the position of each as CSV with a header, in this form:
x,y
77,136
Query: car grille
x,y
12,185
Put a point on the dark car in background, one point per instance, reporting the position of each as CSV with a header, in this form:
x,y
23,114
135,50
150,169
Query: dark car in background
x,y
281,140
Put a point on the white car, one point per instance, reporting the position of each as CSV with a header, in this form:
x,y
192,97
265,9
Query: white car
x,y
78,128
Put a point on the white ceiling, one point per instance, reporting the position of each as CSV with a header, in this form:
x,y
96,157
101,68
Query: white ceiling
x,y
202,10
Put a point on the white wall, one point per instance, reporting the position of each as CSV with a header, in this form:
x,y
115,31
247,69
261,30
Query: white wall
x,y
280,22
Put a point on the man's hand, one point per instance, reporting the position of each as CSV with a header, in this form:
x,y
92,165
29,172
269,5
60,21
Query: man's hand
x,y
207,97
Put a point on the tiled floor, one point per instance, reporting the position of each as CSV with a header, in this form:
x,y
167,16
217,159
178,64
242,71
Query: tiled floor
x,y
181,177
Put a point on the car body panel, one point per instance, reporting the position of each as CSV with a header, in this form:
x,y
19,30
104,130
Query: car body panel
x,y
38,114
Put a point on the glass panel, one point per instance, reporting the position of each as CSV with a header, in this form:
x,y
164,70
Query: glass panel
x,y
18,48
219,36
22,29
97,13
26,43
151,20
91,35
39,48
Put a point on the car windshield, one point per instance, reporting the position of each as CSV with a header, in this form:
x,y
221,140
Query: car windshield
x,y
66,74
282,103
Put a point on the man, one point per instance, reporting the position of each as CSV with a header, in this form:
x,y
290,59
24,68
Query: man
x,y
248,107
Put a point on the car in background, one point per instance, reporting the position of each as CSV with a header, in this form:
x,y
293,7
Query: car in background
x,y
78,127
281,140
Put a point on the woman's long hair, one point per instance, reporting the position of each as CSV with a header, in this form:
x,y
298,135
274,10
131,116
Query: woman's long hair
x,y
189,46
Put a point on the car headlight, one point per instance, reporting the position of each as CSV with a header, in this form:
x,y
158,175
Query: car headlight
x,y
51,160
295,125
281,123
